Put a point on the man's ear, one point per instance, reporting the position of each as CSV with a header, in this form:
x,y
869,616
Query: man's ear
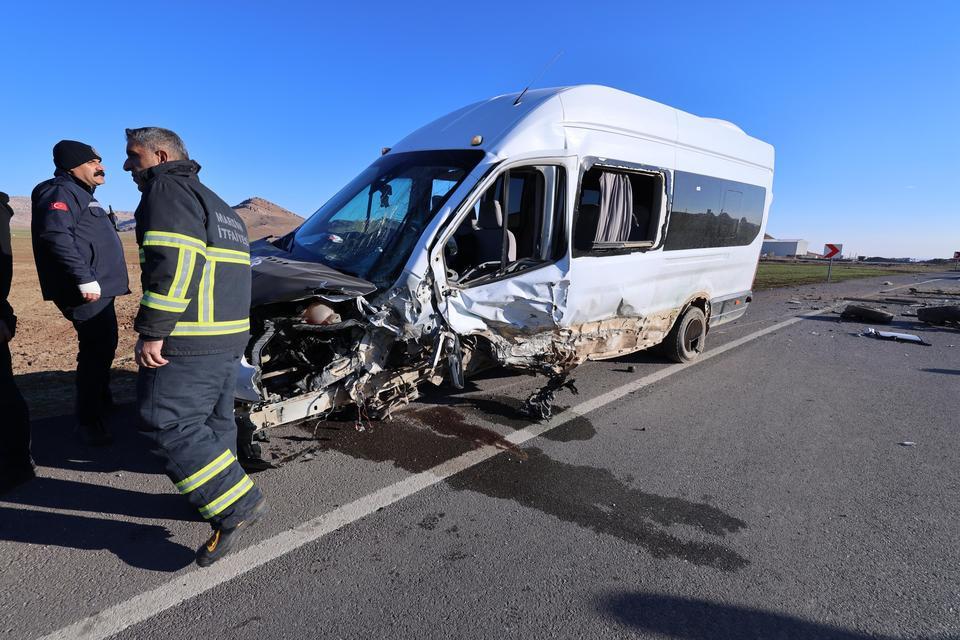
x,y
162,156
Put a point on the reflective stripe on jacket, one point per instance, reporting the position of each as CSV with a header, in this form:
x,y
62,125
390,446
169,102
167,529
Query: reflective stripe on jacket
x,y
195,264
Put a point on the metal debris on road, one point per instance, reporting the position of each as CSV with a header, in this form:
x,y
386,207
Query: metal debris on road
x,y
907,443
866,314
945,315
890,335
631,369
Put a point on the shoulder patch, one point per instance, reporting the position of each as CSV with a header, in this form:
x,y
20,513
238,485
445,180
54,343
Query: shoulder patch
x,y
59,206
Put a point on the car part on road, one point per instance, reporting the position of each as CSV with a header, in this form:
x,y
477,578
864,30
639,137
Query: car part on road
x,y
947,315
897,337
866,314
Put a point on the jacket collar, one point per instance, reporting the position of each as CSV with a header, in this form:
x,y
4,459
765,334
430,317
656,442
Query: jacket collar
x,y
183,168
60,173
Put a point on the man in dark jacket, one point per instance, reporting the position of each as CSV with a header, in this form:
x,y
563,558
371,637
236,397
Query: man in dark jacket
x,y
193,324
81,267
16,466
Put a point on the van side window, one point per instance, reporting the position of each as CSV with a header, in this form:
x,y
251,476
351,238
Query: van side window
x,y
712,212
516,224
618,210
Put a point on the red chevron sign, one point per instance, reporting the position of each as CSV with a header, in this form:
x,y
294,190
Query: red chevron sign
x,y
830,250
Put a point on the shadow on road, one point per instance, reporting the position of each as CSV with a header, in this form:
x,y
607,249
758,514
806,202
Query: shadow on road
x,y
692,619
138,545
56,445
54,493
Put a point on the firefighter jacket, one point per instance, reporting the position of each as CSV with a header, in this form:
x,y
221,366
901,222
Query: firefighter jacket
x,y
195,264
6,263
74,242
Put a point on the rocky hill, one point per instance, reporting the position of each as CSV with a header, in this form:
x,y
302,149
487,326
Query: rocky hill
x,y
262,217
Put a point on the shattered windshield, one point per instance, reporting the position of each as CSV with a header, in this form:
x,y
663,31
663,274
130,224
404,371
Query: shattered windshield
x,y
370,227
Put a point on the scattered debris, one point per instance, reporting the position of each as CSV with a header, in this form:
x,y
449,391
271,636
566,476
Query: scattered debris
x,y
794,302
632,369
539,406
890,335
940,315
866,314
887,282
814,333
907,443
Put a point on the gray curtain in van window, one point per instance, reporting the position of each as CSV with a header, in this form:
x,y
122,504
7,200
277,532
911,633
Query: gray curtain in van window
x,y
616,208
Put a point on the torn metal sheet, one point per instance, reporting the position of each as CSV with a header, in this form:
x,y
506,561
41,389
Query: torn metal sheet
x,y
890,335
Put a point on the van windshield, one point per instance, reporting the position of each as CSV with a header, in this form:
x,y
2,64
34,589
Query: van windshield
x,y
370,227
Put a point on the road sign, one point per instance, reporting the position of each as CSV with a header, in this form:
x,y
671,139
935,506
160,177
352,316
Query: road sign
x,y
956,255
830,250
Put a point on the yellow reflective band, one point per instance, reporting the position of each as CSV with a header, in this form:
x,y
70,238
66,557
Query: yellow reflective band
x,y
219,463
205,306
192,262
228,255
177,274
227,498
211,328
170,239
164,303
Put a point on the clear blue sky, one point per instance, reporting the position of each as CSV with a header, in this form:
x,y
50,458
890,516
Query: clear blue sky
x,y
289,100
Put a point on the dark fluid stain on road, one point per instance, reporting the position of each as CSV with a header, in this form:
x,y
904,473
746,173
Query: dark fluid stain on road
x,y
596,500
399,440
450,422
431,521
506,411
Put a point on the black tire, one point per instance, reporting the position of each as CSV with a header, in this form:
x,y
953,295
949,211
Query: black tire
x,y
687,338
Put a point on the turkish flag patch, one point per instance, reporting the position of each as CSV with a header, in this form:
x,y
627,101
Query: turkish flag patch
x,y
59,206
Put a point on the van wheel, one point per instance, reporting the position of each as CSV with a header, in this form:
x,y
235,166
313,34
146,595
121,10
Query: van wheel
x,y
686,339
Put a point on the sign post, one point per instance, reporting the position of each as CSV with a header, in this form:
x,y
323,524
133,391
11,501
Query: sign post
x,y
956,260
830,250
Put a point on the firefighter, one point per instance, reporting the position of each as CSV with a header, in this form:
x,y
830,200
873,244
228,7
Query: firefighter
x,y
193,325
16,465
82,269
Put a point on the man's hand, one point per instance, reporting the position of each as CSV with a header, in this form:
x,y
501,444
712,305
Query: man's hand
x,y
5,334
148,353
90,291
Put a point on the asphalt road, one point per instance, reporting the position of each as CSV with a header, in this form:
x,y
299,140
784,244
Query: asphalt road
x,y
764,492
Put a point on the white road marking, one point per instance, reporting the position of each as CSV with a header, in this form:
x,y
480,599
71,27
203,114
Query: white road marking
x,y
194,583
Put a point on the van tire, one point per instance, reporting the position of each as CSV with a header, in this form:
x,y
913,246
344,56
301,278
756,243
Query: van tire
x,y
687,338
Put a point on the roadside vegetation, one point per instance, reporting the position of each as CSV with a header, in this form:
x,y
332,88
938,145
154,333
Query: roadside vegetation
x,y
771,275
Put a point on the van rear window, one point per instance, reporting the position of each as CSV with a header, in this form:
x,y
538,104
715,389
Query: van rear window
x,y
712,212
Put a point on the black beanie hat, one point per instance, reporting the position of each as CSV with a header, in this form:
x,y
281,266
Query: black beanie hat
x,y
68,154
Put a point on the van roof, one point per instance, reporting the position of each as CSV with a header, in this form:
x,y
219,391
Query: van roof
x,y
544,118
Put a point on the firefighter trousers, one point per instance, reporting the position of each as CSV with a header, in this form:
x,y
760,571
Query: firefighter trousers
x,y
186,410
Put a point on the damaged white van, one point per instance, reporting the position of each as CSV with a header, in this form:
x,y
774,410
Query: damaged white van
x,y
532,231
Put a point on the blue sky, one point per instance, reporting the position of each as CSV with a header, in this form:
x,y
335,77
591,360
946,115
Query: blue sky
x,y
289,100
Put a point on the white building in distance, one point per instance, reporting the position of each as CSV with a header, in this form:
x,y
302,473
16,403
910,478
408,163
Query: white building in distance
x,y
784,248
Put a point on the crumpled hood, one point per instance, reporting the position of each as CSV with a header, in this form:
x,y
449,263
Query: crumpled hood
x,y
277,277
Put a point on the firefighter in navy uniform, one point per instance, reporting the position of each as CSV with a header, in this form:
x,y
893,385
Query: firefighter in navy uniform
x,y
193,324
82,269
16,465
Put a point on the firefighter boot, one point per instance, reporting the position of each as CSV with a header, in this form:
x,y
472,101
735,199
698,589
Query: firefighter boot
x,y
223,541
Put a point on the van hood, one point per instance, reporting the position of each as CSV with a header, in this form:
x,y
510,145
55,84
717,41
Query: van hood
x,y
277,277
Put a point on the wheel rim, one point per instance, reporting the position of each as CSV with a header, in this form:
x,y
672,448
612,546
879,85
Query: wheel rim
x,y
693,336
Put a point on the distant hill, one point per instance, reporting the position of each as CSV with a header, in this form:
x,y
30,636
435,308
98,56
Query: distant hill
x,y
262,217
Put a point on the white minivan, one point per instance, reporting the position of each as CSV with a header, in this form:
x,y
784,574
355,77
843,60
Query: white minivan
x,y
532,231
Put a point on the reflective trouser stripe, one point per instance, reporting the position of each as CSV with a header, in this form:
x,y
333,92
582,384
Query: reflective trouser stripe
x,y
227,498
200,478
